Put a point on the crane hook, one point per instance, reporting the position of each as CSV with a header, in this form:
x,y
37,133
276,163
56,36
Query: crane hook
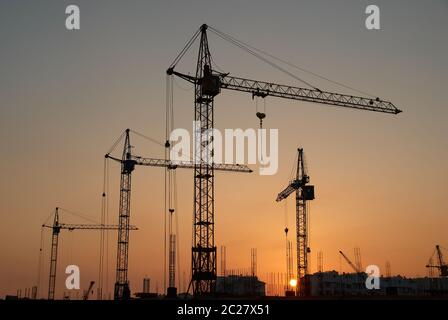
x,y
261,116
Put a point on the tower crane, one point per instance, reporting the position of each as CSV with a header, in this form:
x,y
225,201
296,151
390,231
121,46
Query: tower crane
x,y
128,162
304,193
354,267
87,293
56,229
208,84
442,266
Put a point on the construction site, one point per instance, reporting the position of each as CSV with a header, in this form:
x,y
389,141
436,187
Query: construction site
x,y
232,233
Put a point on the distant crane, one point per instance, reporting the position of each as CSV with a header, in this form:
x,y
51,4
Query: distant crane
x,y
354,267
388,270
128,162
208,84
320,262
358,262
441,266
56,228
304,193
87,293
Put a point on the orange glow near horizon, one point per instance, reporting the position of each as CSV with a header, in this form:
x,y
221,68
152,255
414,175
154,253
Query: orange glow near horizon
x,y
380,180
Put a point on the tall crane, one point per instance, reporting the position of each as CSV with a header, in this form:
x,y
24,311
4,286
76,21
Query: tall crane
x,y
442,266
208,84
56,229
128,162
304,193
354,267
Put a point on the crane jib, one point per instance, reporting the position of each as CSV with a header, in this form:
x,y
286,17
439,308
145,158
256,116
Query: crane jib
x,y
212,83
263,89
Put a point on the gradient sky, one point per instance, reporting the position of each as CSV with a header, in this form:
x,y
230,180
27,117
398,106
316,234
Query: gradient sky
x,y
66,96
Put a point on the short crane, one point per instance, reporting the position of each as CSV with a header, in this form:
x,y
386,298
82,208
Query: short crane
x,y
442,266
304,193
128,162
89,290
355,268
56,229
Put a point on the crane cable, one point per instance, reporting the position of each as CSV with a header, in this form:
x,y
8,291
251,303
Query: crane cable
x,y
169,123
168,95
116,142
107,222
242,46
39,268
185,48
170,178
290,64
41,254
191,87
46,220
102,231
286,216
120,138
79,215
148,138
176,221
246,48
292,174
258,54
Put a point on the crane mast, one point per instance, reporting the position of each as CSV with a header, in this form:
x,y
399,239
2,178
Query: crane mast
x,y
203,256
440,257
303,194
54,255
121,289
203,259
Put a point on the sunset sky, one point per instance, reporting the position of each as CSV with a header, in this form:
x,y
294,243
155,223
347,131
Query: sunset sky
x,y
66,96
